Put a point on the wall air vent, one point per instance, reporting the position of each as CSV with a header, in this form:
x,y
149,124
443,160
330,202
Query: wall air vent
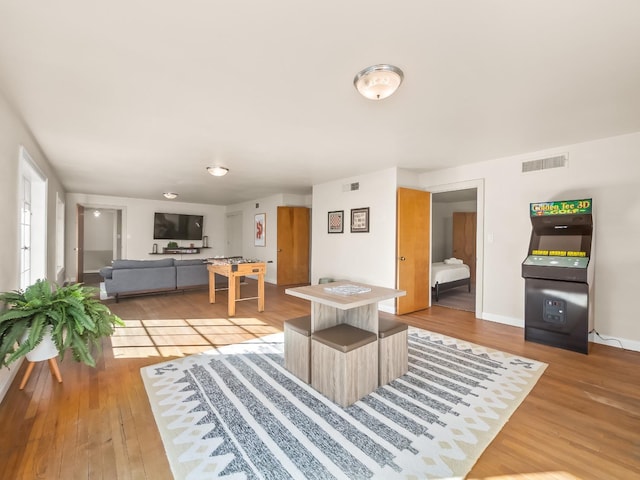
x,y
545,163
351,187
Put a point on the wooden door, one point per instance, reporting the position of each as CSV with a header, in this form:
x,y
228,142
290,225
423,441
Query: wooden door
x,y
80,243
293,245
464,239
413,244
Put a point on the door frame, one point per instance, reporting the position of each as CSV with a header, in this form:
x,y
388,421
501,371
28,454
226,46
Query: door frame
x,y
478,184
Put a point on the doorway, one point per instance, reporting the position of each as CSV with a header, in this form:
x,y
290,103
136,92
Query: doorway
x,y
455,235
233,248
99,240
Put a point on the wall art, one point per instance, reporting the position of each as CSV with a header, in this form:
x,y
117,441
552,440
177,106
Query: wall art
x,y
335,221
359,220
260,230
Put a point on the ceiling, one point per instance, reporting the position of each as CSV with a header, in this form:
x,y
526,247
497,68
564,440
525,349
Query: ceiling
x,y
134,98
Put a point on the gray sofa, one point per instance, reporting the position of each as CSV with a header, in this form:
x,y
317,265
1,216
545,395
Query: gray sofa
x,y
135,277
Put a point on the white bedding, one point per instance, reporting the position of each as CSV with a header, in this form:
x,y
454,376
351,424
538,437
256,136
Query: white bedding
x,y
443,273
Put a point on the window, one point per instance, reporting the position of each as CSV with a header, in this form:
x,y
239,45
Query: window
x,y
25,234
59,235
33,225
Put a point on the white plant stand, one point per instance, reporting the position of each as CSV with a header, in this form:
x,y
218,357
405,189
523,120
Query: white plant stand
x,y
46,350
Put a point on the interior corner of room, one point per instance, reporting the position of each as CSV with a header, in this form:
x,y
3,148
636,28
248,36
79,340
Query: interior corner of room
x,y
224,148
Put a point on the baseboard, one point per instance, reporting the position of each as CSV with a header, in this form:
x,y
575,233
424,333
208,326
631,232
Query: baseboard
x,y
7,374
608,340
617,342
514,322
386,308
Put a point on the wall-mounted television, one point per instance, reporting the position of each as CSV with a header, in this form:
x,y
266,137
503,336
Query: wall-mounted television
x,y
177,226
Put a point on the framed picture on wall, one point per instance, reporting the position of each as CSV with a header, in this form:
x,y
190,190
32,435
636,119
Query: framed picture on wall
x,y
260,230
359,220
335,222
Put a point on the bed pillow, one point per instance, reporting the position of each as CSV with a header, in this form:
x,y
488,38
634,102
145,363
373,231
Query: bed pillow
x,y
453,261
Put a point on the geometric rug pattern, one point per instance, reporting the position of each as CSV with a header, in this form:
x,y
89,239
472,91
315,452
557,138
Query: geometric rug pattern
x,y
236,412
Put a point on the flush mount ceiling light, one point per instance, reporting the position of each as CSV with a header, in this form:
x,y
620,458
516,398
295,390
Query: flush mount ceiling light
x,y
218,171
170,195
378,81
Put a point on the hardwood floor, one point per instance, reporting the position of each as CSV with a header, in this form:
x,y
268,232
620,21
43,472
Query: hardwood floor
x,y
582,420
459,298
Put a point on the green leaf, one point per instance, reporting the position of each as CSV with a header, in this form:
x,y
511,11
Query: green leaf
x,y
9,340
77,317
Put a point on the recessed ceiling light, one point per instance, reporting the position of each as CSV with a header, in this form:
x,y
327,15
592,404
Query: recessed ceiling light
x,y
170,195
218,171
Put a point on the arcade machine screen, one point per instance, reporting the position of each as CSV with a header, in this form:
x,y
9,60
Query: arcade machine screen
x,y
566,243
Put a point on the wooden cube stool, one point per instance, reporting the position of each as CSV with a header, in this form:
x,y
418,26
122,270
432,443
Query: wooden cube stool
x,y
344,363
392,350
297,347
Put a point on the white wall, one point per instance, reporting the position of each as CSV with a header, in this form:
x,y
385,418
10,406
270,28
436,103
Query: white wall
x,y
98,231
13,133
606,170
268,206
137,242
137,231
408,178
98,239
363,257
442,227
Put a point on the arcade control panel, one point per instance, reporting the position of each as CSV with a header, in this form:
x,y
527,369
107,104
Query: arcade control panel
x,y
572,269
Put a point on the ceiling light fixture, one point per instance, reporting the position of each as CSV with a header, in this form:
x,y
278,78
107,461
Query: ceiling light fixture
x,y
170,195
96,213
218,171
378,81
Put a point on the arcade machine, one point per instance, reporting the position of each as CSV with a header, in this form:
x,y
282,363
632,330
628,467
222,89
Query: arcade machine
x,y
558,273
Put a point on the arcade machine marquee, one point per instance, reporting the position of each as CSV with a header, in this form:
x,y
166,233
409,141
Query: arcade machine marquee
x,y
558,273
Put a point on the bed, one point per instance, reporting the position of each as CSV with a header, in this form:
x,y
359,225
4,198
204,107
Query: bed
x,y
445,276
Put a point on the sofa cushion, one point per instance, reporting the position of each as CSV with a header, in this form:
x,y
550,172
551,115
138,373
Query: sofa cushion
x,y
165,262
131,280
192,275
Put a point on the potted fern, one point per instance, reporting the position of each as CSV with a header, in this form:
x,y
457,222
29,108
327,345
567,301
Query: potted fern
x,y
71,315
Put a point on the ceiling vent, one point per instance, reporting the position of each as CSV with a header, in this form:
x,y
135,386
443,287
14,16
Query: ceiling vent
x,y
545,163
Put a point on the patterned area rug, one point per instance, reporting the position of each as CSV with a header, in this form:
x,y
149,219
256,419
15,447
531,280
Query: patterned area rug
x,y
237,413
